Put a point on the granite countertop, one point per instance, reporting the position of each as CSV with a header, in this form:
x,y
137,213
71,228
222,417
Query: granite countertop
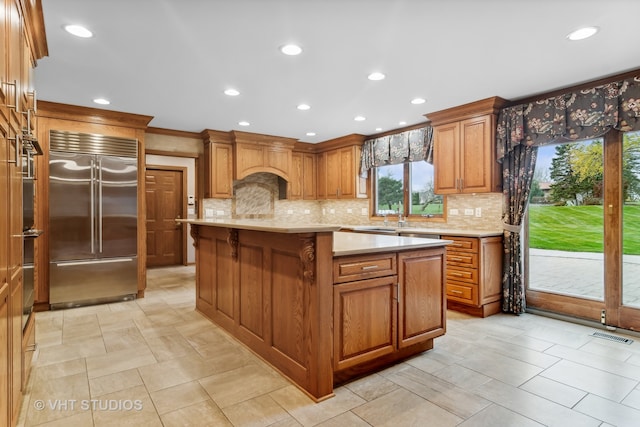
x,y
420,230
363,243
273,226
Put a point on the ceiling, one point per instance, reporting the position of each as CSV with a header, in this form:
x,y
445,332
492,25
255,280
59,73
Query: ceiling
x,y
172,59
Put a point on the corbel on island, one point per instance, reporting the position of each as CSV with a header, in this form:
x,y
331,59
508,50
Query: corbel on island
x,y
319,305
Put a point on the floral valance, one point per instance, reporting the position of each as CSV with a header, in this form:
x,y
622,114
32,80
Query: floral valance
x,y
585,114
409,146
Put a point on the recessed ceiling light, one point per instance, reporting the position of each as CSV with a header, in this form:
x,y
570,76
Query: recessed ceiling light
x,y
376,76
102,101
378,129
402,123
303,107
582,33
359,118
291,49
244,123
78,31
417,101
311,134
231,92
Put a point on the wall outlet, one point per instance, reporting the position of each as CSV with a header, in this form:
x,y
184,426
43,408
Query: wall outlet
x,y
349,210
208,213
478,212
289,211
453,212
364,211
324,211
307,211
332,211
468,212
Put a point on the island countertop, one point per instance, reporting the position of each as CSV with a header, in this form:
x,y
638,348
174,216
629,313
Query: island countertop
x,y
274,226
360,243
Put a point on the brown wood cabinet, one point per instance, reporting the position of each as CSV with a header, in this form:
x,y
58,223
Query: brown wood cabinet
x,y
22,43
339,172
464,156
218,165
386,305
474,274
303,176
255,153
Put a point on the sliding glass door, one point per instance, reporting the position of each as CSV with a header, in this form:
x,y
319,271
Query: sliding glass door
x,y
583,255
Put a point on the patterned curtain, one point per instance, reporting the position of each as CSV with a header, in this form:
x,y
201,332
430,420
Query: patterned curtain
x,y
409,146
586,114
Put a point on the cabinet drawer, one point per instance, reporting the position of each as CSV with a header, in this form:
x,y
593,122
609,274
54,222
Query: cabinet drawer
x,y
462,259
463,293
462,274
464,244
351,268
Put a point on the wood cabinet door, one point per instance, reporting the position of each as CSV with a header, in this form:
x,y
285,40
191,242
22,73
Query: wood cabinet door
x,y
364,320
422,303
218,170
309,174
15,358
333,174
294,187
4,354
321,174
476,155
347,187
446,145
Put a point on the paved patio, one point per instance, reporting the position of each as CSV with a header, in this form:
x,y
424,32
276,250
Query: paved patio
x,y
581,274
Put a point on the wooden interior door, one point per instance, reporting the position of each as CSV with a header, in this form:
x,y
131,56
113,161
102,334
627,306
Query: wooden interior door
x,y
165,202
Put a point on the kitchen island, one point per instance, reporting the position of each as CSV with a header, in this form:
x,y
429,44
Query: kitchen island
x,y
318,305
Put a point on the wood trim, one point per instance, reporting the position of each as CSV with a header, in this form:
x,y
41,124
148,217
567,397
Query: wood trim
x,y
612,211
565,304
574,88
35,28
210,135
172,153
341,142
76,113
261,139
467,111
172,132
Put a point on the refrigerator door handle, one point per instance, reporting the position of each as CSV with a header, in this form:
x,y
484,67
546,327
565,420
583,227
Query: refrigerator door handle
x,y
100,203
101,261
93,208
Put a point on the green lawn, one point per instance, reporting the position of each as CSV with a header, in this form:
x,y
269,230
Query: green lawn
x,y
579,228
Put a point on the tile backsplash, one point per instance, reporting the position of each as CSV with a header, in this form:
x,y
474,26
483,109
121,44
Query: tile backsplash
x,y
248,203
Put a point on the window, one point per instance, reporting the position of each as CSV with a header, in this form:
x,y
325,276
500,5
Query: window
x,y
406,189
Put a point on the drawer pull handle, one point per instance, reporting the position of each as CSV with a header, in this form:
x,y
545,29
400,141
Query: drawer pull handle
x,y
456,245
456,292
457,259
369,267
457,274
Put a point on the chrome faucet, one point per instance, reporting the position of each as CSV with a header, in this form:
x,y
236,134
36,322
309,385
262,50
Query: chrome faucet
x,y
386,222
401,220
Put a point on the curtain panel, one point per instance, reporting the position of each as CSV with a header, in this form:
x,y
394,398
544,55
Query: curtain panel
x,y
585,114
409,146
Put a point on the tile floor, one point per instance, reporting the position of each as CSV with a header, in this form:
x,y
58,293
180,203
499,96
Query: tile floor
x,y
155,361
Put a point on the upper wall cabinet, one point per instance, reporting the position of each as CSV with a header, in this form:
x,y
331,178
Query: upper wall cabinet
x,y
218,165
464,148
339,169
303,173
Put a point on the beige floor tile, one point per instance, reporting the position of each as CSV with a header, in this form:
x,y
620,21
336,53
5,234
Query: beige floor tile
x,y
347,419
235,386
633,399
612,350
602,362
260,411
203,414
114,382
592,380
308,413
558,335
371,387
554,391
123,339
177,397
168,347
454,399
176,371
76,349
608,411
56,398
84,419
129,407
402,407
80,327
461,376
534,407
58,370
497,416
117,361
503,368
517,352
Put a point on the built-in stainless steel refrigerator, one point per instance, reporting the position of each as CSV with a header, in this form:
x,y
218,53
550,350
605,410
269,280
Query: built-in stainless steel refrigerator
x,y
92,219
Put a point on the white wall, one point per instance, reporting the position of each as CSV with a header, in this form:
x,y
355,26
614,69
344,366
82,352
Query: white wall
x,y
190,164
